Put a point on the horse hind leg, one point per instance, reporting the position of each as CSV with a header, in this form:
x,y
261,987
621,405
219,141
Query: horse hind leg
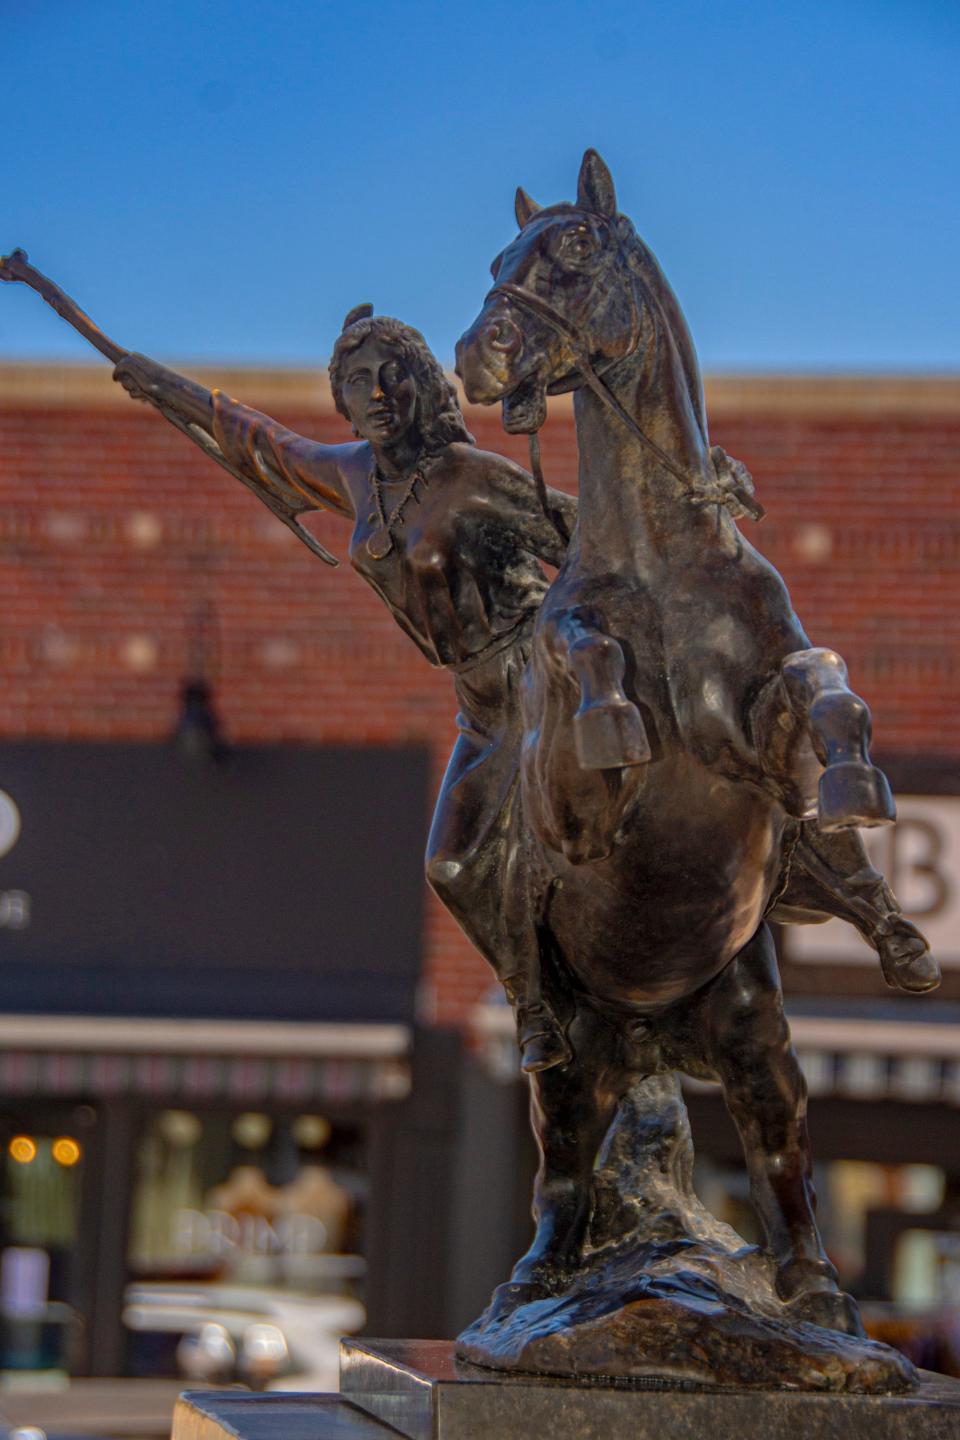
x,y
608,730
571,1110
738,1027
810,699
832,875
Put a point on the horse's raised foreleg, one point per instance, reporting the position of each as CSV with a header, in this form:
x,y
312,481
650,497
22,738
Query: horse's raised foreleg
x,y
740,1022
571,1110
832,875
607,727
810,701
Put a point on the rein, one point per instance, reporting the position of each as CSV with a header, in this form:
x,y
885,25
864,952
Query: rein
x,y
528,301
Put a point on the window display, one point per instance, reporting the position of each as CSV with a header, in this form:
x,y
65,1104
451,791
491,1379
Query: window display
x,y
242,1224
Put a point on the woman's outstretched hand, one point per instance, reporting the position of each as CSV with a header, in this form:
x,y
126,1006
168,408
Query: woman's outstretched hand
x,y
179,399
138,376
12,266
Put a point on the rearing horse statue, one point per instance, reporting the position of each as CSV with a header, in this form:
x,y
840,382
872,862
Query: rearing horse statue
x,y
677,725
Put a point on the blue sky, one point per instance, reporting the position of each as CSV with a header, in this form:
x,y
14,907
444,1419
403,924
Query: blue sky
x,y
223,181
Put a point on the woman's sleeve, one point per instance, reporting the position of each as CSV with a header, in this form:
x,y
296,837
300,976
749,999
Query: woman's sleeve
x,y
285,469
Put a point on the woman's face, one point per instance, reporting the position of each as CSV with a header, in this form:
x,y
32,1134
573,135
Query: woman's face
x,y
379,393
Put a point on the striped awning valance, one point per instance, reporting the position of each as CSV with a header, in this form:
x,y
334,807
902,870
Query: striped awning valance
x,y
237,1062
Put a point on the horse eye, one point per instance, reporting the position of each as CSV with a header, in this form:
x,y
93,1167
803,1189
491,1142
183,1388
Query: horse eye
x,y
577,245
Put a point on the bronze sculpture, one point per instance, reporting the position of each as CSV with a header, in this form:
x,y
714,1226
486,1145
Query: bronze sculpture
x,y
676,727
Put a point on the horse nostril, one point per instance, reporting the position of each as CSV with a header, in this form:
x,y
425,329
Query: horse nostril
x,y
503,335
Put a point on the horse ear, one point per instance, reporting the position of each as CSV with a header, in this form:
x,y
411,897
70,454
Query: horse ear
x,y
524,208
359,312
595,190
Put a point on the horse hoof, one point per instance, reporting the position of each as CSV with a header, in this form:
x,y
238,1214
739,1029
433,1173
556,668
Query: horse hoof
x,y
543,1043
509,1297
906,960
610,734
545,1052
854,795
831,1310
811,1294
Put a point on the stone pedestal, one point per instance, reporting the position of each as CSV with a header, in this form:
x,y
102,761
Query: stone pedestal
x,y
419,1390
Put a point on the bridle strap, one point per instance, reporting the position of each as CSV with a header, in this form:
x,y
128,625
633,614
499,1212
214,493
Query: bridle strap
x,y
536,470
527,300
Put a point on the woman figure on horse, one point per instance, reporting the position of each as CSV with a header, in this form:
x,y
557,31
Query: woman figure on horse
x,y
450,537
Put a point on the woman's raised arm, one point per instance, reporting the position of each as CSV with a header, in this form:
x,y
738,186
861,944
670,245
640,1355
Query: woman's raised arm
x,y
288,472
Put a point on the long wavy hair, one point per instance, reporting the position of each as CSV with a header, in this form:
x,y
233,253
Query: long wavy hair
x,y
439,415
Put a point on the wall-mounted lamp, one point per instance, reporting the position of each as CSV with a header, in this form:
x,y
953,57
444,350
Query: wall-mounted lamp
x,y
197,736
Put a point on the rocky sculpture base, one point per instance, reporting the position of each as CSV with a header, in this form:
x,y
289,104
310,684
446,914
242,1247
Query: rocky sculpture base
x,y
678,1322
667,1291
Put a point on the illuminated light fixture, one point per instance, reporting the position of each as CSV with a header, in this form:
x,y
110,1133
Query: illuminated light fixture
x,y
22,1149
65,1151
311,1132
252,1130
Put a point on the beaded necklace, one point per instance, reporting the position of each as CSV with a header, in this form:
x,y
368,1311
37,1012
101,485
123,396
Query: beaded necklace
x,y
381,541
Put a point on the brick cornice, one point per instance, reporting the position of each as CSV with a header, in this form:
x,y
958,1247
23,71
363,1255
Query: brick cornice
x,y
81,385
838,394
78,386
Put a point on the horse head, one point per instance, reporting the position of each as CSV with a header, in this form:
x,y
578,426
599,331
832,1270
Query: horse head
x,y
571,287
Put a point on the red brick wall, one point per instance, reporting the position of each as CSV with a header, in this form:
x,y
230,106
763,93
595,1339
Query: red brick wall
x,y
114,530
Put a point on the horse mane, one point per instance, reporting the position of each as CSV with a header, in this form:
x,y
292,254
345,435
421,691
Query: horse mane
x,y
659,296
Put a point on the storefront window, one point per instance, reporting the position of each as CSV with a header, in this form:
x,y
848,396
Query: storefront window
x,y
238,1218
893,1232
851,1190
39,1210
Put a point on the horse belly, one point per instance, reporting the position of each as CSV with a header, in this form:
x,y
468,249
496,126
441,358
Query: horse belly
x,y
682,892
